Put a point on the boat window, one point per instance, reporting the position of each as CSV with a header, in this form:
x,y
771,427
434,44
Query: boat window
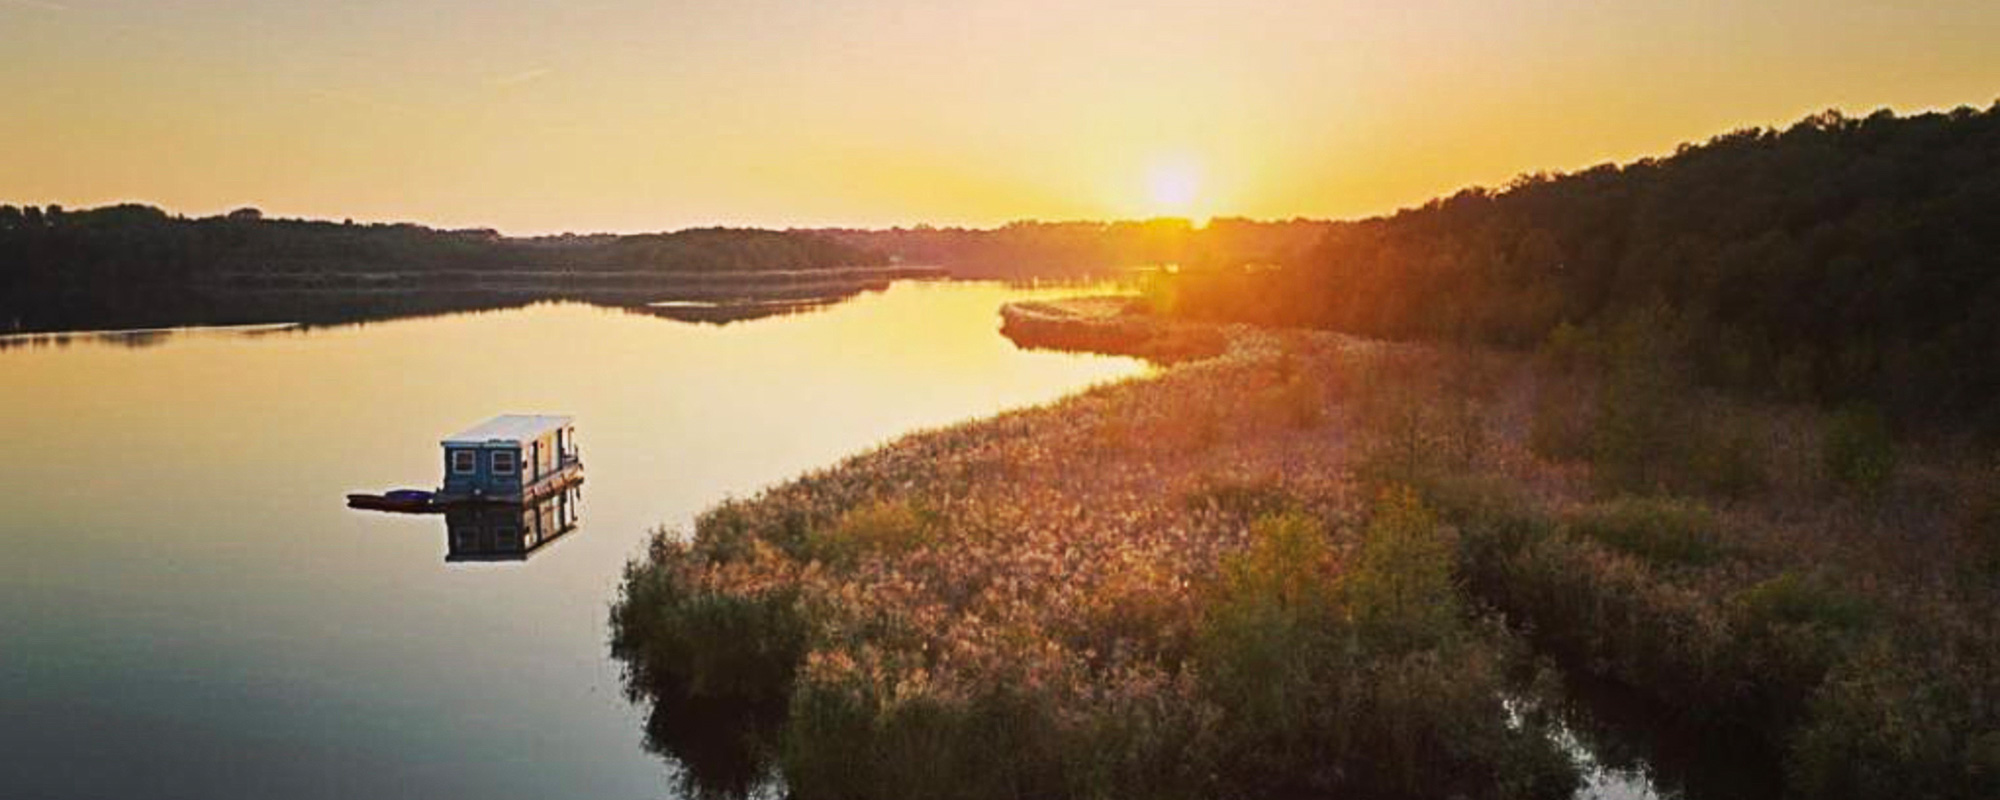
x,y
503,462
464,462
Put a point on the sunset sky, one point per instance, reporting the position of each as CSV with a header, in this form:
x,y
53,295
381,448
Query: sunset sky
x,y
539,116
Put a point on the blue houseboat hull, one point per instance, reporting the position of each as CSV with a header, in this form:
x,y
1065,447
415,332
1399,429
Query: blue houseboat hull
x,y
568,475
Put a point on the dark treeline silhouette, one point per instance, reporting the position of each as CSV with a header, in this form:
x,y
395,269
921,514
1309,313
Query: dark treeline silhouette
x,y
1032,249
134,265
1839,260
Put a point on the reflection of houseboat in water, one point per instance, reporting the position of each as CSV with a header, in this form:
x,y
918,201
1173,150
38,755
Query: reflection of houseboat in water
x,y
510,532
513,458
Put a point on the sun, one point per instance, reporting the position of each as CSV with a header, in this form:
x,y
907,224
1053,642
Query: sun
x,y
1173,188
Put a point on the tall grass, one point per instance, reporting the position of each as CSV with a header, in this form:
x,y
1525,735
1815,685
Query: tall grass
x,y
1013,609
1216,583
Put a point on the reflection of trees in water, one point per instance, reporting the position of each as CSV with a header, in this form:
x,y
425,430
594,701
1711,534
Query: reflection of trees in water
x,y
715,673
144,322
1635,740
725,313
149,322
726,747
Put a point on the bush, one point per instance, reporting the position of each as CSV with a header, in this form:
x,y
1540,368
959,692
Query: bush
x,y
1661,531
1790,630
710,644
1568,348
1638,423
1858,451
1368,685
716,668
1286,573
1883,725
1399,591
885,528
1612,616
1269,627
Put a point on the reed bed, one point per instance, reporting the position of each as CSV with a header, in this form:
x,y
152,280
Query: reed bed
x,y
1319,566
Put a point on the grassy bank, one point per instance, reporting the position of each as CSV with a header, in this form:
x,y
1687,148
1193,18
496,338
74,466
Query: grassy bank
x,y
1314,566
1163,587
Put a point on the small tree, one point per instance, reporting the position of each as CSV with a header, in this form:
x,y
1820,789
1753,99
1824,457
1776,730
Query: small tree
x,y
1634,442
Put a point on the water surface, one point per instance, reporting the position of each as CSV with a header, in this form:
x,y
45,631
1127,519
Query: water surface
x,y
188,610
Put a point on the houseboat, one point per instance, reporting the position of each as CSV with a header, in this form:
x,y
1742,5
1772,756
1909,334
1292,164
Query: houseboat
x,y
500,532
513,458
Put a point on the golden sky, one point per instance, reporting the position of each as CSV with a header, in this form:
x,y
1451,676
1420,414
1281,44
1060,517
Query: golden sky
x,y
548,115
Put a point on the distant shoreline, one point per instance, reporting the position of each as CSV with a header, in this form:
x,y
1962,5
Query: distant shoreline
x,y
223,300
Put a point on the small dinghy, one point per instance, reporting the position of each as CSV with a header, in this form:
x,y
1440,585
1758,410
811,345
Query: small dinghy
x,y
409,501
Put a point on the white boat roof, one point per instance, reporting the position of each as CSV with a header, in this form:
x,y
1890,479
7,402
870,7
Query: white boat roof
x,y
509,428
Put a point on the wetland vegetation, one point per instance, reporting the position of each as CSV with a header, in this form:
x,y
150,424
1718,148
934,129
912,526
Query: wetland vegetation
x,y
1301,563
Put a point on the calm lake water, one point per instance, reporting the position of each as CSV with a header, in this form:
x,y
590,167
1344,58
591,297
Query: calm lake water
x,y
187,610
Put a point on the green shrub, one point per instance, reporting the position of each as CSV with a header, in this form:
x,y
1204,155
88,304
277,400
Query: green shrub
x,y
1399,589
1887,725
1287,570
1638,421
1614,617
1790,630
1792,598
886,527
1858,451
707,644
1495,518
1661,531
1371,685
1569,347
1266,632
725,533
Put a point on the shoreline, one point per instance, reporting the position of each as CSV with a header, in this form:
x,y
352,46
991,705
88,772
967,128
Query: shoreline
x,y
320,298
1067,567
1091,542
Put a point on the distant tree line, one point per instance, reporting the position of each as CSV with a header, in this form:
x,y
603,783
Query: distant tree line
x,y
1034,249
1840,260
58,265
144,243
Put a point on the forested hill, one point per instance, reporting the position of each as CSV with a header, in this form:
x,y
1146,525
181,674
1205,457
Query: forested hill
x,y
1838,259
